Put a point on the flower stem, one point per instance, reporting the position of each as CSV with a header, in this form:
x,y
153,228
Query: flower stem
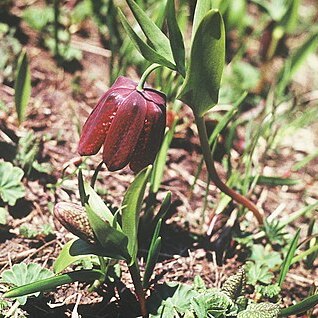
x,y
95,175
208,158
135,275
144,76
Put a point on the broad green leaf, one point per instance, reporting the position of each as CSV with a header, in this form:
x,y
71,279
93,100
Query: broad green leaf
x,y
22,86
258,272
65,258
145,50
21,274
131,209
300,307
53,282
263,310
154,35
288,259
201,8
175,37
97,204
109,238
265,255
171,299
200,89
11,187
37,18
3,216
78,249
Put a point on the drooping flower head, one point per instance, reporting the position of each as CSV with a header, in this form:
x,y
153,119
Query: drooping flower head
x,y
129,123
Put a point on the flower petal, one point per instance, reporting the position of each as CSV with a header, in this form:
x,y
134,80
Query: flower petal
x,y
154,96
97,125
124,131
150,138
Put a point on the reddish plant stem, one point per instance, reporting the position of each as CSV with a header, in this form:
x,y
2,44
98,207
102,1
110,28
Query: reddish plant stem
x,y
135,275
208,158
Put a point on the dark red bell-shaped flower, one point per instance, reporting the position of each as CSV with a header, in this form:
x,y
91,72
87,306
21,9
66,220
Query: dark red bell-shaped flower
x,y
129,123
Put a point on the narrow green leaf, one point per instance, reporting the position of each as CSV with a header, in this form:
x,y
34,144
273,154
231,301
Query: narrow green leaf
x,y
131,209
151,261
81,187
288,259
235,14
300,307
22,86
201,8
293,64
109,238
299,57
289,20
154,35
145,50
53,282
163,209
200,89
175,37
307,210
160,162
276,181
304,254
304,162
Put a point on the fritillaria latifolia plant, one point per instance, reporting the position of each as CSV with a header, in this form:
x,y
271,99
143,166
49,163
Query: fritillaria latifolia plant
x,y
129,121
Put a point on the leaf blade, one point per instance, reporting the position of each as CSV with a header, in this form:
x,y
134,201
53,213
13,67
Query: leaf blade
x,y
22,86
145,50
131,208
53,282
175,37
288,259
154,35
200,89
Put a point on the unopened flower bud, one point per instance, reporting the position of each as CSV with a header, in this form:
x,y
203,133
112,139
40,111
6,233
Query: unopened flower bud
x,y
74,218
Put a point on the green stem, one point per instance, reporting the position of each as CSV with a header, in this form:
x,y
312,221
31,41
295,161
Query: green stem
x,y
144,76
135,275
104,265
96,172
208,158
